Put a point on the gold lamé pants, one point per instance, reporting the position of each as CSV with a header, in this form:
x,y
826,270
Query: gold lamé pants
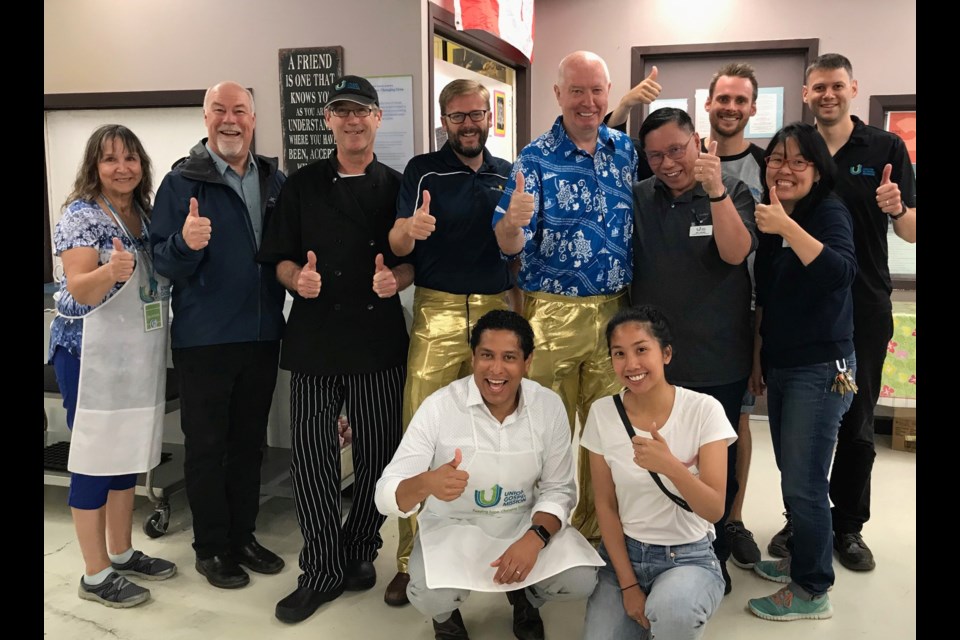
x,y
571,357
439,354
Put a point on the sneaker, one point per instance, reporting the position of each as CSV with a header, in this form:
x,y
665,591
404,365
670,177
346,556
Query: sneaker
x,y
727,583
743,550
116,591
143,566
784,606
853,552
773,570
778,543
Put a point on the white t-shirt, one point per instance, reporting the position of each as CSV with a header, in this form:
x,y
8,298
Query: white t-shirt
x,y
646,513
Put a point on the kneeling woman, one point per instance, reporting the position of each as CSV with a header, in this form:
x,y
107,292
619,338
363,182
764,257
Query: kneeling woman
x,y
658,455
805,268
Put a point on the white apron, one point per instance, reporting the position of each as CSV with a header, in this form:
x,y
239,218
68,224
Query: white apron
x,y
461,538
118,425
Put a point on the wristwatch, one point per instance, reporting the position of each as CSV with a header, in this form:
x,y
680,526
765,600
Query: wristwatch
x,y
541,531
902,213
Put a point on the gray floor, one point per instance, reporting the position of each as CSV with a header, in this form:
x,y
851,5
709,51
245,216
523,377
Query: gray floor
x,y
880,604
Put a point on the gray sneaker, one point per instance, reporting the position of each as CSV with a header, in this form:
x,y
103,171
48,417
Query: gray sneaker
x,y
116,591
778,543
143,566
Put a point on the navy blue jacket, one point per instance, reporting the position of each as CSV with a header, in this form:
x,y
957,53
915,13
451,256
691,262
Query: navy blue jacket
x,y
221,295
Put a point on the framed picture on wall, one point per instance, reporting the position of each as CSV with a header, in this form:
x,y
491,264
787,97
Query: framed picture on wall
x,y
499,113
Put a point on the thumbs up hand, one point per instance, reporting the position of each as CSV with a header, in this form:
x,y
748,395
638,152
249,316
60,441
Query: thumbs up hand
x,y
121,262
308,281
447,481
384,282
520,210
652,454
888,194
644,93
196,229
706,171
421,223
771,218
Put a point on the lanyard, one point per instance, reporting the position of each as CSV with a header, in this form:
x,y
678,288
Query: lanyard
x,y
126,231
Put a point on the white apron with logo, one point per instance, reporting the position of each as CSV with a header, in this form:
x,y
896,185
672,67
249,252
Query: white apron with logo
x,y
461,538
118,425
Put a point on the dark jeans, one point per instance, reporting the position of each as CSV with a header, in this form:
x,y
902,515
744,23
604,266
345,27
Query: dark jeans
x,y
731,397
225,396
804,417
853,461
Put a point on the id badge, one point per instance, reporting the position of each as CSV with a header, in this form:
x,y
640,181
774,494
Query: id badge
x,y
701,230
152,316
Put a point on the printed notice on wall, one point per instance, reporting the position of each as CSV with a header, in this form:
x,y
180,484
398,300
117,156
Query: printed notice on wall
x,y
394,145
306,79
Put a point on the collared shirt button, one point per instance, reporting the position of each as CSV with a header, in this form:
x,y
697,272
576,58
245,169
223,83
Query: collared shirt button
x,y
369,307
336,307
338,273
372,243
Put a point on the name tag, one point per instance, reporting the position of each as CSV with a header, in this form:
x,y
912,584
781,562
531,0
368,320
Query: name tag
x,y
700,230
152,316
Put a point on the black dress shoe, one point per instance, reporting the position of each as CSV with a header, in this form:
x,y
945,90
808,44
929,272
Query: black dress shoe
x,y
303,602
452,629
258,558
527,624
359,575
223,572
396,593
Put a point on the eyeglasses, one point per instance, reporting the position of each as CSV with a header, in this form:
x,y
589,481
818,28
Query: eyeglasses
x,y
675,152
457,117
796,164
344,112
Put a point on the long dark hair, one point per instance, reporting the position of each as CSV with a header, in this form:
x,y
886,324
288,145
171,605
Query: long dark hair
x,y
812,148
87,184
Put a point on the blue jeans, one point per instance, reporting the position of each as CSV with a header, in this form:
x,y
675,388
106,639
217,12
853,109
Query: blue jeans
x,y
804,418
683,584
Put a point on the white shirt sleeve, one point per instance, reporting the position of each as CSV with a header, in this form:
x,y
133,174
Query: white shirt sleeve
x,y
558,491
414,456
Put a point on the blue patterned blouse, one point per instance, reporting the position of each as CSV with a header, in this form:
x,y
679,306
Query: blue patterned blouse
x,y
84,224
579,242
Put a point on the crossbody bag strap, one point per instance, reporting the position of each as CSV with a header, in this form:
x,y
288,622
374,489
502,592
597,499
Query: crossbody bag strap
x,y
680,502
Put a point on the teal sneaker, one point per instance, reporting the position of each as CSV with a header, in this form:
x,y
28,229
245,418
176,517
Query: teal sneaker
x,y
774,570
784,606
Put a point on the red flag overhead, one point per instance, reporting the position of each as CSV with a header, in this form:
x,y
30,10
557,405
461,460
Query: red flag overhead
x,y
509,20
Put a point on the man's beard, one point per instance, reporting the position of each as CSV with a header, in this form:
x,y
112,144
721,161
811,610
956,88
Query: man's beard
x,y
469,152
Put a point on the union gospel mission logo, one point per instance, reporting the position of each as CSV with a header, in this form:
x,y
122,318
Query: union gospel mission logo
x,y
862,170
489,498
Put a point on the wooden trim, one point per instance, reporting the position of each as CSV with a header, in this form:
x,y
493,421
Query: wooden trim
x,y
639,56
879,105
441,23
123,100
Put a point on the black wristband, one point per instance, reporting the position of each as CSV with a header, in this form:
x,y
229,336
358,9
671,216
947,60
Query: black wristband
x,y
902,213
721,197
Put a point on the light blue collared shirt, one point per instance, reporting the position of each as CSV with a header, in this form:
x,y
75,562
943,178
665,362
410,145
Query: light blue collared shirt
x,y
247,187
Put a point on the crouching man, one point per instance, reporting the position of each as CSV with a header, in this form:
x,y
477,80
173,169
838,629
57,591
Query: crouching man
x,y
489,458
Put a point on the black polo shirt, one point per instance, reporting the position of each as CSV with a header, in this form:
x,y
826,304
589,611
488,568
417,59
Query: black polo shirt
x,y
347,329
461,255
860,165
682,273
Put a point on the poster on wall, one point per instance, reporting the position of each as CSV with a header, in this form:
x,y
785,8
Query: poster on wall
x,y
904,124
769,116
394,144
306,79
499,114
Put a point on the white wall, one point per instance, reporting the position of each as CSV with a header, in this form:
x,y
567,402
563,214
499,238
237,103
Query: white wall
x,y
879,37
140,45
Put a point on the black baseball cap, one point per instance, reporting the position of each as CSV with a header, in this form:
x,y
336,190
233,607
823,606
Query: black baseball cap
x,y
354,89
